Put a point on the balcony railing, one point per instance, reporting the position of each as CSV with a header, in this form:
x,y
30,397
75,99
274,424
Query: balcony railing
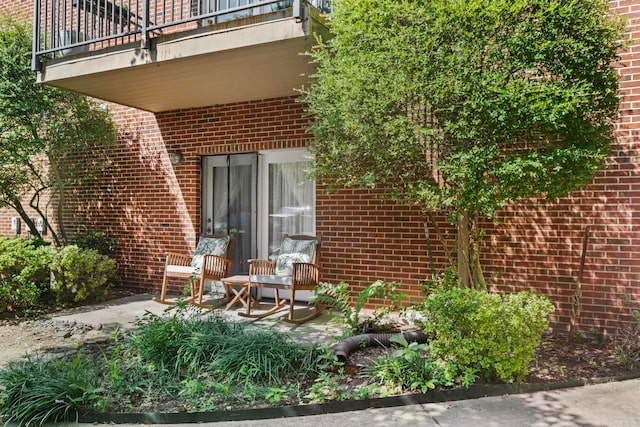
x,y
64,27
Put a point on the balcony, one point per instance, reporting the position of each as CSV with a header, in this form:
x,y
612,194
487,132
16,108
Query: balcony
x,y
161,55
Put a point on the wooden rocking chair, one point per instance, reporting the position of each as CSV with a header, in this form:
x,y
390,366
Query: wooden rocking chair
x,y
209,262
294,270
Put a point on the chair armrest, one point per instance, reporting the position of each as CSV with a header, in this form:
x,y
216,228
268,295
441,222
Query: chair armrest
x,y
178,259
215,267
261,267
305,275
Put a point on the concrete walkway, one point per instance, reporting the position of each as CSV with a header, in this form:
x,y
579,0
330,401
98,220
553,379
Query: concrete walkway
x,y
123,313
611,404
614,404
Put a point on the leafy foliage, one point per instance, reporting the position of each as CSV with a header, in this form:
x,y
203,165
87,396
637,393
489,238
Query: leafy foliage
x,y
95,240
503,98
50,140
411,367
24,273
80,275
338,298
26,280
465,106
38,391
496,336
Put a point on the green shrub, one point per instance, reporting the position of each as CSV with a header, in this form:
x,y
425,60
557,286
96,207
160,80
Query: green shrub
x,y
494,335
96,240
80,275
24,273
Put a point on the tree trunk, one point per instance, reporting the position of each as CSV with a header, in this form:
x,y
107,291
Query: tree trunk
x,y
17,206
60,187
469,268
464,269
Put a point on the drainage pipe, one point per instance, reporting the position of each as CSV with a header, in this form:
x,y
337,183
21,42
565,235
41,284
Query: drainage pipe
x,y
342,349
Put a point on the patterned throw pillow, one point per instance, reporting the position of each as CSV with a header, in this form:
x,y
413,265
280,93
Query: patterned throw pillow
x,y
294,251
209,245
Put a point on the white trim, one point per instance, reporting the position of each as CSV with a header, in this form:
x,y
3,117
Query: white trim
x,y
266,158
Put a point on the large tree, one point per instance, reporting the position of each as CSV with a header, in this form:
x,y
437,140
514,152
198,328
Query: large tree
x,y
50,140
465,105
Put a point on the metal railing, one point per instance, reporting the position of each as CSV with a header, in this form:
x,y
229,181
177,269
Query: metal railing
x,y
63,27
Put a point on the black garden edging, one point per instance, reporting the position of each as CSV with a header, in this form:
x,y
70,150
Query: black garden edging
x,y
435,396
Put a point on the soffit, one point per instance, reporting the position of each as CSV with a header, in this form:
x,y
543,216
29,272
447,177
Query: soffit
x,y
194,69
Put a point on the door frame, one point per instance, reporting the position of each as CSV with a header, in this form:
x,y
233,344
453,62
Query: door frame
x,y
260,223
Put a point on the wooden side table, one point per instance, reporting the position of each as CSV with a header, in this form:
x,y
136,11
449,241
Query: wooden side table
x,y
238,286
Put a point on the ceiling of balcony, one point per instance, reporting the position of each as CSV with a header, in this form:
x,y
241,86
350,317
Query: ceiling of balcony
x,y
193,69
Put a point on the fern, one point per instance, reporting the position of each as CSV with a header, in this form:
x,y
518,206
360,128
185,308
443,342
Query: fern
x,y
338,298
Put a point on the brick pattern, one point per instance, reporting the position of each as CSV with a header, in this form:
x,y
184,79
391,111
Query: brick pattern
x,y
153,207
17,9
538,244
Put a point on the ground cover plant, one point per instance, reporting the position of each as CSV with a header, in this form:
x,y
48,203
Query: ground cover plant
x,y
193,360
337,299
189,361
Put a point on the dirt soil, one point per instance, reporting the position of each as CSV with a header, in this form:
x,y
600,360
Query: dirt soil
x,y
556,360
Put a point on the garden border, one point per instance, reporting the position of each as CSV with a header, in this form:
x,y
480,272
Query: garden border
x,y
435,396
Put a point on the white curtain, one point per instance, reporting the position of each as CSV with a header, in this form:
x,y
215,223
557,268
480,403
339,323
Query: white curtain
x,y
291,209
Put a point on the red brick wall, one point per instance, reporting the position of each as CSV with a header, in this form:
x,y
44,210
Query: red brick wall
x,y
366,238
153,207
538,244
22,9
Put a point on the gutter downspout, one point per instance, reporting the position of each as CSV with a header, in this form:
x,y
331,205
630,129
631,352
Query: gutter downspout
x,y
342,349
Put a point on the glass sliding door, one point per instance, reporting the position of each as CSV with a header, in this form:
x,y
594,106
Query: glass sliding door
x,y
229,203
289,197
259,198
287,203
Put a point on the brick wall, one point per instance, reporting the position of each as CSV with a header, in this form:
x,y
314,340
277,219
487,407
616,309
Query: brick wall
x,y
18,9
153,207
538,245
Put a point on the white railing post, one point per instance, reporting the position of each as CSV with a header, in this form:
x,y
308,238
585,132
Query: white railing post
x,y
144,38
297,9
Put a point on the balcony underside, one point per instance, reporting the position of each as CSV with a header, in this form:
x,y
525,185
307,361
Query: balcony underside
x,y
197,68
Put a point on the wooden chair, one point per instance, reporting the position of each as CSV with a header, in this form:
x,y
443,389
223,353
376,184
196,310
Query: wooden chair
x,y
296,269
209,262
